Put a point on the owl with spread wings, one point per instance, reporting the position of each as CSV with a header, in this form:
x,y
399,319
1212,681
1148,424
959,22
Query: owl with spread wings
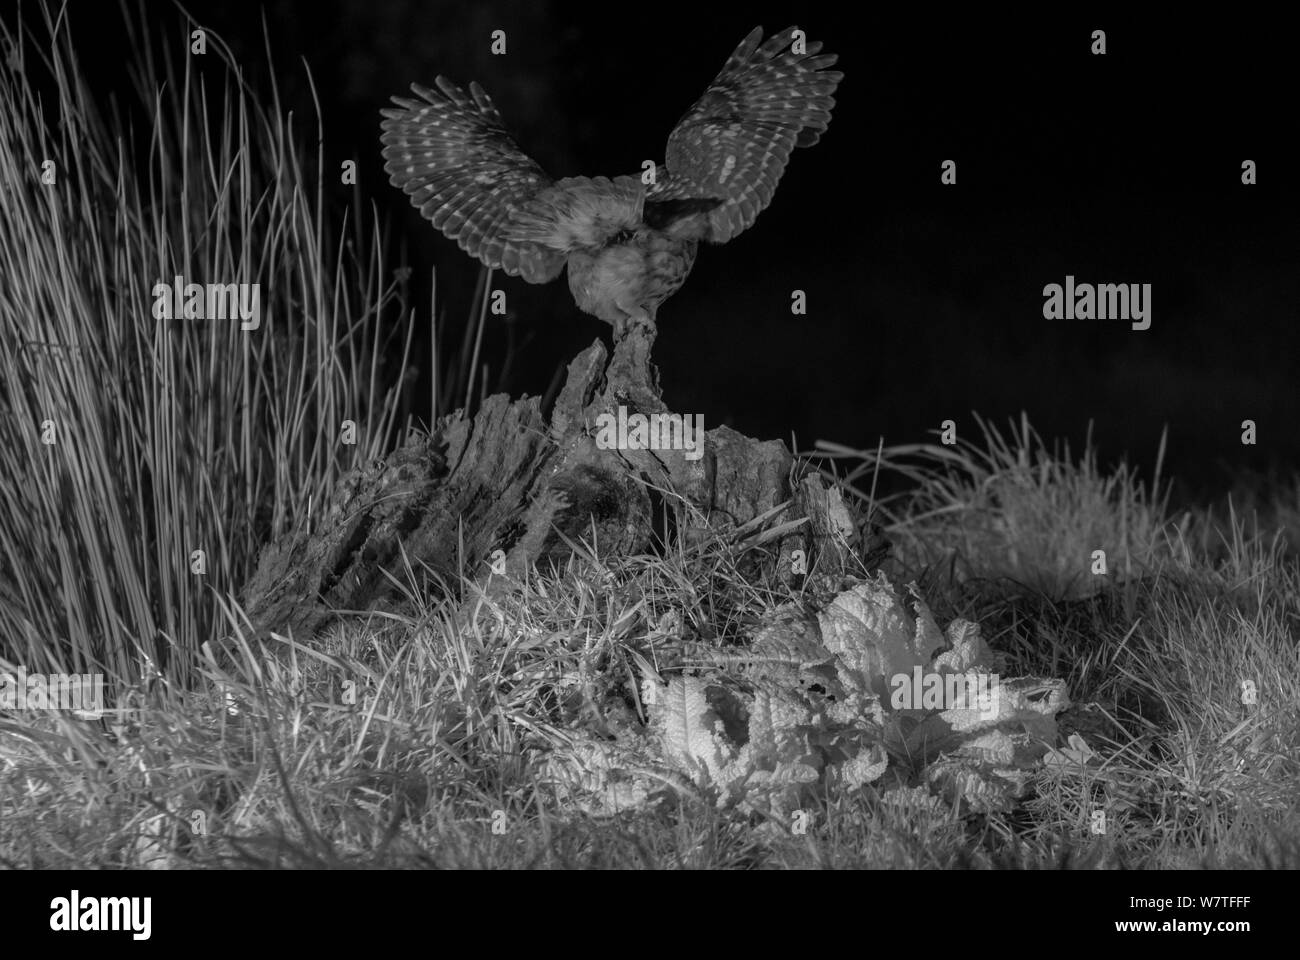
x,y
628,243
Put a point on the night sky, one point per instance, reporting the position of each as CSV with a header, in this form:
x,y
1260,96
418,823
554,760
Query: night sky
x,y
925,301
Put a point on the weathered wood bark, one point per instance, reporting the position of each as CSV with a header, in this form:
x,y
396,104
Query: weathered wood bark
x,y
439,497
507,481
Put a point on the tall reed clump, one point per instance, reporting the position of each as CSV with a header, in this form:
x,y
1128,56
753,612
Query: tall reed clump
x,y
129,443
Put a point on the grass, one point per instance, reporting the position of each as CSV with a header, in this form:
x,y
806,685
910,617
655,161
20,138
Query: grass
x,y
419,737
453,715
128,443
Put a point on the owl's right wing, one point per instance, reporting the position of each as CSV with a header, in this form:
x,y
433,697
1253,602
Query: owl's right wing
x,y
734,142
451,154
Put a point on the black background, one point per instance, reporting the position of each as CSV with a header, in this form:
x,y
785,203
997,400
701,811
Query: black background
x,y
924,301
350,910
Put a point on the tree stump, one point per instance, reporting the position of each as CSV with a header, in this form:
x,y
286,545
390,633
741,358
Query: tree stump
x,y
505,486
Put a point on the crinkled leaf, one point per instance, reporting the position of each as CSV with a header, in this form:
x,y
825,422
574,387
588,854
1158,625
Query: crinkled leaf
x,y
865,767
874,636
692,731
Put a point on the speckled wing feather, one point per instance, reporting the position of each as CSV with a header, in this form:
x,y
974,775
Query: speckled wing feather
x,y
734,143
450,153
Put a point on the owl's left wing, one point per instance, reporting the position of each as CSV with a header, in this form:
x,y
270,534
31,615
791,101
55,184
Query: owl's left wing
x,y
734,142
451,154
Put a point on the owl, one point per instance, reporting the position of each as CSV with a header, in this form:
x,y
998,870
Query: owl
x,y
628,242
